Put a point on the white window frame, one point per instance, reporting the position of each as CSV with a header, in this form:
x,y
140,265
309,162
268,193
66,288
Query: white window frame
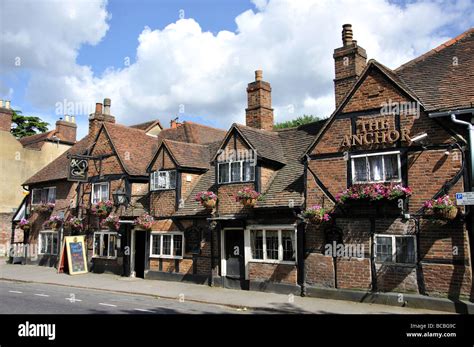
x,y
153,186
166,256
394,248
280,260
40,192
241,162
102,233
93,200
54,251
383,167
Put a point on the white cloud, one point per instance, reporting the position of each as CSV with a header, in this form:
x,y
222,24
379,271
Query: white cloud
x,y
292,41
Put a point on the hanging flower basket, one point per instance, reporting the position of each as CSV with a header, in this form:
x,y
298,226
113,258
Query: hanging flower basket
x,y
443,207
25,224
248,197
112,222
207,199
316,214
54,222
102,208
74,223
145,221
45,207
373,192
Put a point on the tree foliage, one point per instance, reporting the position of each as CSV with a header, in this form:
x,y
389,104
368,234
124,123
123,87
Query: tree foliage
x,y
304,119
27,125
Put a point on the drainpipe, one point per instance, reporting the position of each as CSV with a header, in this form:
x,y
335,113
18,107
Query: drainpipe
x,y
471,143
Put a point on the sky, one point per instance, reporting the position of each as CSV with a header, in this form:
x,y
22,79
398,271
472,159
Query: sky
x,y
192,59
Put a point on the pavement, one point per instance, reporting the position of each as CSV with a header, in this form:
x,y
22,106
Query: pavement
x,y
258,302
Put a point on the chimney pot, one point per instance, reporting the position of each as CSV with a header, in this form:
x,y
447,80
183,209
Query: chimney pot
x,y
107,104
73,119
66,118
347,34
258,75
98,108
7,104
1,103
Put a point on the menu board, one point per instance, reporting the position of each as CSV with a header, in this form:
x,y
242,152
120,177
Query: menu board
x,y
76,254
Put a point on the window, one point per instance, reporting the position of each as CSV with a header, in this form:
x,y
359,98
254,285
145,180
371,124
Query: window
x,y
235,171
163,180
105,244
43,195
48,242
395,249
273,245
100,192
169,245
378,167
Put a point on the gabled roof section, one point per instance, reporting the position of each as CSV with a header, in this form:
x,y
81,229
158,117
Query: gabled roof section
x,y
443,77
192,133
388,73
265,143
133,147
188,155
58,168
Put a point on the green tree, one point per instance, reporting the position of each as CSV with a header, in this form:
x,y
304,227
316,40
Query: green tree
x,y
27,125
304,119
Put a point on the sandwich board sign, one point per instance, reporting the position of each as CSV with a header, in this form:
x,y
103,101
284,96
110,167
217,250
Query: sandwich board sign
x,y
73,254
466,198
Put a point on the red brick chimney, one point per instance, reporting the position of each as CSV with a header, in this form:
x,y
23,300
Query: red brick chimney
x,y
101,115
349,62
175,124
66,129
6,114
259,112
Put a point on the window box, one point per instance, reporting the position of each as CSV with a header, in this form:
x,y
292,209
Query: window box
x,y
162,180
105,244
167,245
48,242
395,249
373,192
271,245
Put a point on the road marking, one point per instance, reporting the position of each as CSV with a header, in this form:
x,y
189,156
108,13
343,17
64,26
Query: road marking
x,y
142,310
73,300
15,291
45,295
104,304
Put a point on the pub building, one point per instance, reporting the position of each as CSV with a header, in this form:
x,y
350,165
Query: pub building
x,y
137,190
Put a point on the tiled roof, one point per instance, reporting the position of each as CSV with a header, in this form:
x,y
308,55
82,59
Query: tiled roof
x,y
192,133
189,155
443,78
133,146
207,182
288,183
58,168
266,143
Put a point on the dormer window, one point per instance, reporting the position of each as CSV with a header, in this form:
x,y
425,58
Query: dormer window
x,y
160,180
236,171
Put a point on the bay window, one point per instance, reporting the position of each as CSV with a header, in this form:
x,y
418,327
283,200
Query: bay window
x,y
100,192
48,242
105,244
167,245
273,245
163,180
236,171
376,167
395,249
43,195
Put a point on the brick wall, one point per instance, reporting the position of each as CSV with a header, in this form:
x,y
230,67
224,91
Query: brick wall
x,y
226,203
266,175
319,270
163,203
5,232
276,273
